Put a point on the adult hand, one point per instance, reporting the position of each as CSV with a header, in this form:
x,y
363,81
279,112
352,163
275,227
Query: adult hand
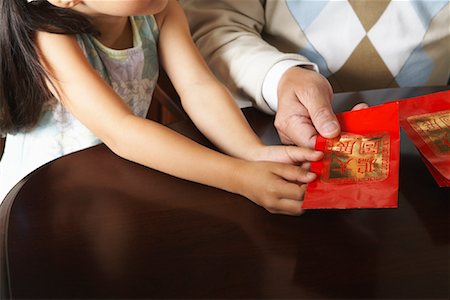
x,y
304,108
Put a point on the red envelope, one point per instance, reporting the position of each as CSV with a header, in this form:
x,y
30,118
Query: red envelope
x,y
360,168
438,177
426,120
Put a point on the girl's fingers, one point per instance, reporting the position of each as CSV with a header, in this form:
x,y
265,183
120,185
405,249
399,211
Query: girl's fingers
x,y
289,199
287,154
306,165
292,191
295,174
299,154
290,205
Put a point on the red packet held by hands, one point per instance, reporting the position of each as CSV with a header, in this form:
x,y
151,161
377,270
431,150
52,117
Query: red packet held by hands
x,y
360,167
426,120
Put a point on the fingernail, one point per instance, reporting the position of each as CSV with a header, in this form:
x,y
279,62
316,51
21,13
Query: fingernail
x,y
318,153
311,175
330,127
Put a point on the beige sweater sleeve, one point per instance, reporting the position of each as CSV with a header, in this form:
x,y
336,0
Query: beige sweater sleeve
x,y
229,35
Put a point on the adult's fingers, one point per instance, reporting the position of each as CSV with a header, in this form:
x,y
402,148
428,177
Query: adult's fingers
x,y
360,106
318,104
297,130
304,108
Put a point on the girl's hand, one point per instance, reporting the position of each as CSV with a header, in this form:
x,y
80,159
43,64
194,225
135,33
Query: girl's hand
x,y
287,154
277,187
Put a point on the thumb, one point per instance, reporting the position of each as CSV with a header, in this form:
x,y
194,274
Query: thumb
x,y
317,101
323,118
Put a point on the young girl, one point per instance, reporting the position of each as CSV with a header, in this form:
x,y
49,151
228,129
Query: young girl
x,y
75,73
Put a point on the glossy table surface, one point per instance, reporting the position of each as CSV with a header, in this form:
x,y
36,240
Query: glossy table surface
x,y
93,225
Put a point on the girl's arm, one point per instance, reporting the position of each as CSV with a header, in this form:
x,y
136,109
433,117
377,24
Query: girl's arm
x,y
274,186
204,98
84,93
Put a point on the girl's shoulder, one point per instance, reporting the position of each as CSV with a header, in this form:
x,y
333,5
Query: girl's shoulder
x,y
54,47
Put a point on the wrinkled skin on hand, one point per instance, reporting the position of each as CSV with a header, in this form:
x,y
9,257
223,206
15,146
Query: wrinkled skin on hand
x,y
304,108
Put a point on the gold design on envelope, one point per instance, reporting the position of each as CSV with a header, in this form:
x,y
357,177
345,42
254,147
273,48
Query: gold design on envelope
x,y
355,158
434,129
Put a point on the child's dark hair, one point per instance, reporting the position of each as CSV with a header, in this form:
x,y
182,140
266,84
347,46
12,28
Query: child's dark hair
x,y
23,89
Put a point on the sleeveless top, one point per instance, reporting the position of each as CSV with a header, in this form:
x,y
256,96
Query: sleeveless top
x,y
132,73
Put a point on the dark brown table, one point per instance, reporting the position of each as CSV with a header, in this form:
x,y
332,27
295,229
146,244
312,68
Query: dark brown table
x,y
93,225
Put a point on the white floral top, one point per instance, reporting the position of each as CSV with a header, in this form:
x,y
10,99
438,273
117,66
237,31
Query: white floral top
x,y
132,73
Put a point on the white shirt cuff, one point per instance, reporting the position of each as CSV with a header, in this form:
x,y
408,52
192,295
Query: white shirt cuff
x,y
273,77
